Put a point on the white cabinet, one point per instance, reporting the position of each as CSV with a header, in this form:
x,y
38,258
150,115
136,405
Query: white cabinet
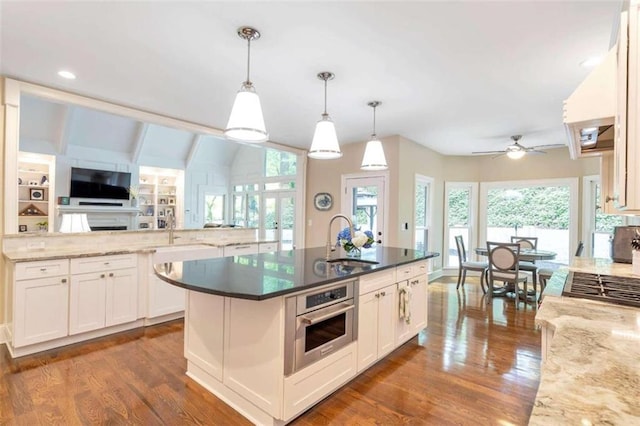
x,y
376,318
40,305
416,286
627,119
104,292
267,247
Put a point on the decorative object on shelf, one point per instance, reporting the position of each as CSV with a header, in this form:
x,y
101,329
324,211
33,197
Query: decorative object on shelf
x,y
22,228
43,226
36,194
19,181
160,213
162,201
323,201
325,140
168,212
353,245
134,191
44,181
374,158
64,201
143,226
246,123
31,210
635,260
34,183
172,201
149,211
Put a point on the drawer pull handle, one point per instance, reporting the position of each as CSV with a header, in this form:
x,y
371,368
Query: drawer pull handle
x,y
106,263
43,269
111,274
64,281
242,247
102,275
382,293
377,295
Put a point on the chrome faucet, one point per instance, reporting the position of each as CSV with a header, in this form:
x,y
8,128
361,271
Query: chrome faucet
x,y
171,224
330,246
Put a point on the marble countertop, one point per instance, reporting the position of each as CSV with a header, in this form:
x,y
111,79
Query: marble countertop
x,y
601,266
592,372
76,252
266,275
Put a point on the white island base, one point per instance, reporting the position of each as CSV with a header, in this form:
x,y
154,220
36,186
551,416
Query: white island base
x,y
235,347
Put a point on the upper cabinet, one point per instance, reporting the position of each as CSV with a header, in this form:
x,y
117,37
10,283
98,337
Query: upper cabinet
x,y
626,184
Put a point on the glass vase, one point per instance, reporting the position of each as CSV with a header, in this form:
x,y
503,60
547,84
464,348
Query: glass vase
x,y
353,252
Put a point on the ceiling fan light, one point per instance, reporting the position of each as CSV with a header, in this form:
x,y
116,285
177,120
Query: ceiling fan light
x,y
246,123
515,155
374,158
324,145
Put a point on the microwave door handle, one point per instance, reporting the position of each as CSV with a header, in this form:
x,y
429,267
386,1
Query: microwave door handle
x,y
315,319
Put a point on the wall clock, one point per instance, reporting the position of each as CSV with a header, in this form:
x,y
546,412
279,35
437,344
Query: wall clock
x,y
323,201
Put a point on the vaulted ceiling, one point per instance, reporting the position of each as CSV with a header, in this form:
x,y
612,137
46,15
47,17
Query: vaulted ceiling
x,y
454,76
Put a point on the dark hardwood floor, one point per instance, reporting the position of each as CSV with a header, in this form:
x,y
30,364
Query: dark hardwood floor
x,y
474,364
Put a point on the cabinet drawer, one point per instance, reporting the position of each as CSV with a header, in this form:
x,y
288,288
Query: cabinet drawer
x,y
103,263
268,247
377,280
419,268
41,269
411,270
241,249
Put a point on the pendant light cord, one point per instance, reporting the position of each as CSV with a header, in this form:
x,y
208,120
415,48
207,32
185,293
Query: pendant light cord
x,y
248,59
325,96
374,122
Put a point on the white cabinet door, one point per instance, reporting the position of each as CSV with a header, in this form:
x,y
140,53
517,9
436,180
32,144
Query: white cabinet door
x,y
387,320
419,303
121,297
40,310
404,330
367,330
87,302
164,298
376,325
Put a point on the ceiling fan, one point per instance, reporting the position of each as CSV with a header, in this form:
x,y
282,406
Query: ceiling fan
x,y
516,151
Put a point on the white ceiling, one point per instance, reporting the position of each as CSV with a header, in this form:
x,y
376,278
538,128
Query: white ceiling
x,y
454,76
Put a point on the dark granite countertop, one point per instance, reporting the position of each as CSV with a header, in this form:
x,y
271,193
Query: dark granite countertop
x,y
267,275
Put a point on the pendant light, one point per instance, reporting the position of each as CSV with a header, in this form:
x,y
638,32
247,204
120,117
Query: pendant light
x,y
374,158
246,123
325,141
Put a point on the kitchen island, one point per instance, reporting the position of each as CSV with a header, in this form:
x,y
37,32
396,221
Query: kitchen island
x,y
244,331
590,352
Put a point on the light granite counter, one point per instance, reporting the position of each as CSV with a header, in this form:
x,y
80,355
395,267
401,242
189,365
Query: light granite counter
x,y
592,372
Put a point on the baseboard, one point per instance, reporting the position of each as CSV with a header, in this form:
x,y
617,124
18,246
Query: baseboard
x,y
434,275
3,334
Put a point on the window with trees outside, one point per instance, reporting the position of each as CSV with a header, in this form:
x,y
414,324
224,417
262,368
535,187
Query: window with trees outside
x,y
214,208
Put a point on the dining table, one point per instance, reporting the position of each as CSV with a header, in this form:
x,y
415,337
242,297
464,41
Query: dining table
x,y
526,255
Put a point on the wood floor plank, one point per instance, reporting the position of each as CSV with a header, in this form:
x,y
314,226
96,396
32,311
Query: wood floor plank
x,y
476,363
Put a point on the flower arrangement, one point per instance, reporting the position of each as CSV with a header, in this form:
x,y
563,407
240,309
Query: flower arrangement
x,y
635,241
134,191
360,239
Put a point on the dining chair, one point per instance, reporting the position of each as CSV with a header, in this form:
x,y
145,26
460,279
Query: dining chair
x,y
544,274
529,243
465,265
504,267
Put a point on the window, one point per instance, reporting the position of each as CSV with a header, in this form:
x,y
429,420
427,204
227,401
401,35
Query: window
x,y
460,213
279,163
214,208
422,212
544,209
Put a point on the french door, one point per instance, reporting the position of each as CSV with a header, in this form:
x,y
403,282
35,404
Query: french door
x,y
363,201
279,218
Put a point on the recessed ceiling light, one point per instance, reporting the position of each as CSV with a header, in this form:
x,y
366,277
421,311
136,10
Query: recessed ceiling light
x,y
67,74
591,62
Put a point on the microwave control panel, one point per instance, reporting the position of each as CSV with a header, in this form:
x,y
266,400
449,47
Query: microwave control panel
x,y
328,296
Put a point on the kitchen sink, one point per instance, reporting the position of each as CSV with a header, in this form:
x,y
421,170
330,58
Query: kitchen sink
x,y
178,253
352,262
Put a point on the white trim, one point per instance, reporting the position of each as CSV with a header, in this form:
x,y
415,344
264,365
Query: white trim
x,y
429,182
588,212
572,183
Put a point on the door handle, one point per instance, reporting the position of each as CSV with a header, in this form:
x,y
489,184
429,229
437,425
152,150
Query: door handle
x,y
315,319
379,241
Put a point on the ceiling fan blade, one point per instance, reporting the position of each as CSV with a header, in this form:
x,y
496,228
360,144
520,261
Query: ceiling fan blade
x,y
488,152
535,151
555,145
499,155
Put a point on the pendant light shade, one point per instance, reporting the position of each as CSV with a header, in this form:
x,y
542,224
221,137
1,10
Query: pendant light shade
x,y
75,222
374,158
325,140
246,123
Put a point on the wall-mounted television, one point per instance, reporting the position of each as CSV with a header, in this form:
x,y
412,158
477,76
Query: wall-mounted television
x,y
91,183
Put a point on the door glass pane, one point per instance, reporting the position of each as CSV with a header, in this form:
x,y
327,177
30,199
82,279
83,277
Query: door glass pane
x,y
287,221
458,220
536,211
239,210
270,220
421,234
253,211
603,229
365,208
